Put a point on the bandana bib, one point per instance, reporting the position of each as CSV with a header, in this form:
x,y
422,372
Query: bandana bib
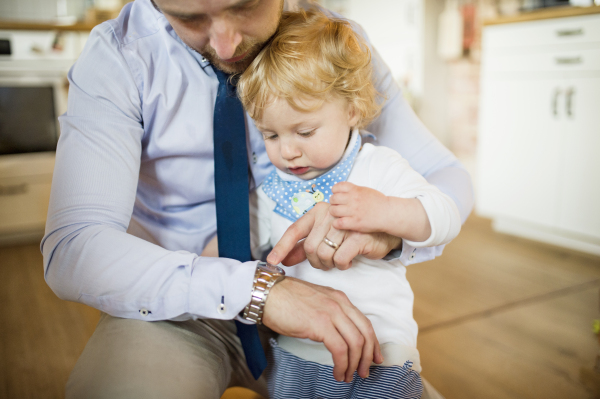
x,y
295,198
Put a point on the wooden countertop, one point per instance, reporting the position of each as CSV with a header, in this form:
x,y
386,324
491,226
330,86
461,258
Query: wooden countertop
x,y
24,25
544,13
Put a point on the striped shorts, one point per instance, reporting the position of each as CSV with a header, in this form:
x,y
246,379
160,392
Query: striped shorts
x,y
291,377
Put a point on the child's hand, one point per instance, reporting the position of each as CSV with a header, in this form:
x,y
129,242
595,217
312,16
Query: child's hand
x,y
358,208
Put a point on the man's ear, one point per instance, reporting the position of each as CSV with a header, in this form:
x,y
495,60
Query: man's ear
x,y
353,115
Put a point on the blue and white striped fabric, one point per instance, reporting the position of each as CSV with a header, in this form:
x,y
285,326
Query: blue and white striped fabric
x,y
290,377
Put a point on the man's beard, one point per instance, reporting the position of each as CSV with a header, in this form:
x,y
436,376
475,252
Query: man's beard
x,y
250,47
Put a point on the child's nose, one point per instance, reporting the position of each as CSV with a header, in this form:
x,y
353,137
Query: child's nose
x,y
289,151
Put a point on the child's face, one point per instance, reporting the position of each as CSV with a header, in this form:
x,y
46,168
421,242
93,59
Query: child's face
x,y
307,144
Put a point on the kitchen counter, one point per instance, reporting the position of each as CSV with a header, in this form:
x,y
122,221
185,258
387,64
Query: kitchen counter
x,y
23,25
544,13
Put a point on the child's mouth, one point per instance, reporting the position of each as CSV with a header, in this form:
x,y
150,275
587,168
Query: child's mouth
x,y
299,171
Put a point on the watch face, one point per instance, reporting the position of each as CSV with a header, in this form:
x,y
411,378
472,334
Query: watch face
x,y
272,268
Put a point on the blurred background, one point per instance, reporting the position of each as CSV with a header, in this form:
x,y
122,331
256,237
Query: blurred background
x,y
512,87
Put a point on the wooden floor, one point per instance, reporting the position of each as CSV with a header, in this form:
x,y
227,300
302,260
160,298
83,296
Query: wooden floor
x,y
500,317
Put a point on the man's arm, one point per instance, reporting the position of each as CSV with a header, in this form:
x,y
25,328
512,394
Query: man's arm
x,y
400,129
88,256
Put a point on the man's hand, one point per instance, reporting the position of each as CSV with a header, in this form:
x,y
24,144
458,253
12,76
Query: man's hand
x,y
315,225
299,309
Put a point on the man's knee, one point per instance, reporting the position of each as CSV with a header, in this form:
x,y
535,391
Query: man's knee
x,y
135,359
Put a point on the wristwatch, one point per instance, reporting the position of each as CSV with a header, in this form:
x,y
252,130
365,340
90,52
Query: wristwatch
x,y
266,276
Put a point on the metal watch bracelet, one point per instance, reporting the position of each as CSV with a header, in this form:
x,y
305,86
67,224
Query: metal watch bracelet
x,y
265,277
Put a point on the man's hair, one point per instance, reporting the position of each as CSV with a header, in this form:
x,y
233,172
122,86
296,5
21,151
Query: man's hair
x,y
311,56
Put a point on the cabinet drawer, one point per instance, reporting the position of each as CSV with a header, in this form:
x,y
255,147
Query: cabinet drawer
x,y
551,32
551,61
23,204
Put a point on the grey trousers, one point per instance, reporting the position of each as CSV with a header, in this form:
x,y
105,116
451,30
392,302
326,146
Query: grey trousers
x,y
199,359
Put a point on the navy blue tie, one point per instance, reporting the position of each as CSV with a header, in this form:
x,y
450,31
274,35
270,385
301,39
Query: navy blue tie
x,y
231,198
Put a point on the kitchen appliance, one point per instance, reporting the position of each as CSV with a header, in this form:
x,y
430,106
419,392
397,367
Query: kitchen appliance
x,y
33,93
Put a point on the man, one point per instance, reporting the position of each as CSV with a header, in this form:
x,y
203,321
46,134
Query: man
x,y
133,203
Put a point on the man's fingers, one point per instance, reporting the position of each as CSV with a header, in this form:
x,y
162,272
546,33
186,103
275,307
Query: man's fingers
x,y
295,256
348,250
370,350
353,339
325,252
315,238
297,231
335,343
355,342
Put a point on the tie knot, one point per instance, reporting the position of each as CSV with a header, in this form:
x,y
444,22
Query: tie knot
x,y
225,81
222,76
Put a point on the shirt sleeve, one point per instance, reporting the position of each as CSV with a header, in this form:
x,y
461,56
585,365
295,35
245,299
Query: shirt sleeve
x,y
394,177
401,130
88,255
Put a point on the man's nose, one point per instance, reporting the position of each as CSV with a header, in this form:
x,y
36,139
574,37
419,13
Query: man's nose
x,y
224,38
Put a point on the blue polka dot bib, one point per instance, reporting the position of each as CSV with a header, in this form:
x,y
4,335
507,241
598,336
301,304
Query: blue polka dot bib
x,y
296,197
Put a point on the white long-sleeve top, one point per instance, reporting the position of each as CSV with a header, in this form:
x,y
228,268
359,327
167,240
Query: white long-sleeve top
x,y
378,288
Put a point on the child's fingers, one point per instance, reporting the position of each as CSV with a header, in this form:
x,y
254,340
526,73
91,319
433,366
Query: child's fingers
x,y
339,199
346,223
339,211
342,187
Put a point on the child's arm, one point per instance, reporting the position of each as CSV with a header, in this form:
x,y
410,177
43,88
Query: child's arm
x,y
397,201
367,210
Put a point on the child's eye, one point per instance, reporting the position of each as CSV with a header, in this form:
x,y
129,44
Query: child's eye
x,y
269,136
306,134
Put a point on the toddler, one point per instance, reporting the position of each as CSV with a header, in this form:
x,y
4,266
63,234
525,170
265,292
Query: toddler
x,y
310,92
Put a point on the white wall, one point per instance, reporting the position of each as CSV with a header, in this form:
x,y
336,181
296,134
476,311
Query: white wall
x,y
405,34
433,106
395,29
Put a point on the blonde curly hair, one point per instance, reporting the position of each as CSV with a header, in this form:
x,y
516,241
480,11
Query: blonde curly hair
x,y
311,56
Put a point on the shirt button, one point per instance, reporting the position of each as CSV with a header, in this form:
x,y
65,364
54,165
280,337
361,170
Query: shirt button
x,y
204,59
144,312
254,158
222,308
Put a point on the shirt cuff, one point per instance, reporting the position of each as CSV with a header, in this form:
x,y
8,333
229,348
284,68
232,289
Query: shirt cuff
x,y
221,287
410,255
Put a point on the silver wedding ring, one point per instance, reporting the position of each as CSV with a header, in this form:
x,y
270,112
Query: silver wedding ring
x,y
331,243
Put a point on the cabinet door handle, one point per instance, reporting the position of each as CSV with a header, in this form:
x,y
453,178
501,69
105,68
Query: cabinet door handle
x,y
14,189
569,101
568,60
569,32
557,93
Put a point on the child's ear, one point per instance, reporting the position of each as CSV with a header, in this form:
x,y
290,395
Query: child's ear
x,y
353,115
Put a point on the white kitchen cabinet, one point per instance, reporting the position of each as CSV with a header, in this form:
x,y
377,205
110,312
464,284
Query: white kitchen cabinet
x,y
580,191
539,136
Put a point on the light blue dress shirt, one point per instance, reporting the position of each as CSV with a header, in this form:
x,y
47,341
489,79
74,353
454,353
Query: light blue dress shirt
x,y
132,201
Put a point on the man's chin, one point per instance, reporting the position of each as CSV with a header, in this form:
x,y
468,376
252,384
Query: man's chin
x,y
230,67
